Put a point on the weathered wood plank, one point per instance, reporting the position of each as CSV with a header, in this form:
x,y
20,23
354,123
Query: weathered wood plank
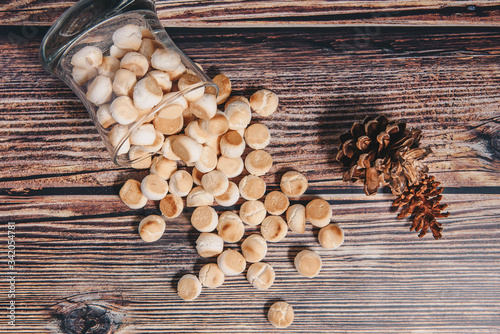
x,y
430,80
382,278
238,13
76,240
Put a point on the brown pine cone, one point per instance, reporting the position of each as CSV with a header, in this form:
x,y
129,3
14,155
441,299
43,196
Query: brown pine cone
x,y
421,201
378,151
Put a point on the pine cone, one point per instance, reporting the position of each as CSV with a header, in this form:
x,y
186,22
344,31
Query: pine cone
x,y
378,151
421,201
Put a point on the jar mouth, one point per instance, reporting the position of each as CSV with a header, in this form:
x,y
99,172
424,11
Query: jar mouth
x,y
92,22
126,162
78,19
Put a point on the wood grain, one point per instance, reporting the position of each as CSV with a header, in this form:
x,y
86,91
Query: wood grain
x,y
238,13
383,279
78,244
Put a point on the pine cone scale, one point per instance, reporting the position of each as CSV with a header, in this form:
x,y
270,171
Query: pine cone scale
x,y
372,181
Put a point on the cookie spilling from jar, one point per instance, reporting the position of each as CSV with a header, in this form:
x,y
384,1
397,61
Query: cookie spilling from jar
x,y
194,146
269,217
145,93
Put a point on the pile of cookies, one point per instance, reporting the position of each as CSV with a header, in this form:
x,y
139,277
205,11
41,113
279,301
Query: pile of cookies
x,y
208,182
193,147
229,227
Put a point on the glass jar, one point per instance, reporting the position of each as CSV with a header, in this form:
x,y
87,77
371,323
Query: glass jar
x,y
93,23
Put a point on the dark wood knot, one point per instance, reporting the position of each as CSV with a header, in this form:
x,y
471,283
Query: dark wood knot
x,y
90,313
90,319
495,144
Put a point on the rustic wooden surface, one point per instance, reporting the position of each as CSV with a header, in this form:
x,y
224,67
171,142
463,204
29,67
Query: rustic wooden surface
x,y
77,244
232,13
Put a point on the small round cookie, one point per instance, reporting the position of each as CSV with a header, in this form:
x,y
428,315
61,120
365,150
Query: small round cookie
x,y
157,143
214,142
161,77
143,135
163,167
215,182
172,105
231,167
276,202
209,244
318,212
215,126
238,114
124,82
232,144
131,194
261,275
264,102
280,315
211,276
181,183
154,187
171,206
189,287
207,161
252,212
273,228
230,196
198,197
254,248
116,137
204,219
165,60
166,149
296,218
151,228
168,126
231,262
252,187
258,162
293,184
205,107
257,136
175,74
148,46
194,131
233,98
187,82
100,91
331,236
197,175
139,157
104,117
187,149
128,37
230,227
308,263
224,85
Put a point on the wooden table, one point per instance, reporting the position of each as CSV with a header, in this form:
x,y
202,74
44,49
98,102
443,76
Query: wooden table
x,y
435,67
